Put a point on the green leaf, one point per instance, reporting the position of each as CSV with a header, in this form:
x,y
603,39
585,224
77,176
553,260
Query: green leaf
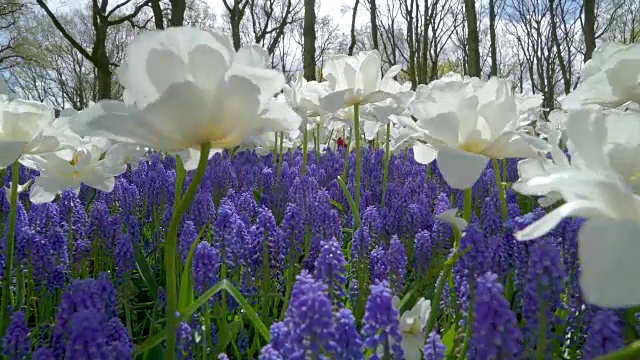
x,y
352,203
510,290
145,271
248,310
235,327
448,339
223,336
149,344
155,353
186,297
224,284
404,299
338,206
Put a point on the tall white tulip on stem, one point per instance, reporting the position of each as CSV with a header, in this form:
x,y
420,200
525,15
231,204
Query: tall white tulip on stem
x,y
188,91
354,81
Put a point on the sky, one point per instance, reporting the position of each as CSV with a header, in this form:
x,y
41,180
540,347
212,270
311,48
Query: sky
x,y
325,7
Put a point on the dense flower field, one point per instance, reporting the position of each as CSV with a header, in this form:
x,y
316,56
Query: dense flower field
x,y
89,271
355,218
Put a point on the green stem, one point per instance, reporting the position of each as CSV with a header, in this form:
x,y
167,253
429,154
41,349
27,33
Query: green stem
x,y
6,285
275,149
630,352
448,265
281,158
170,250
468,202
435,302
428,174
319,139
501,193
387,157
305,140
19,289
356,135
468,326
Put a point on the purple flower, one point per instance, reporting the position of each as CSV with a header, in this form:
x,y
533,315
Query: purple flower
x,y
545,284
188,234
268,246
205,266
397,264
310,319
123,257
118,339
269,353
185,342
381,327
202,210
331,269
422,253
16,343
379,265
280,338
293,232
371,221
495,332
360,244
43,353
434,349
605,335
348,340
95,298
87,338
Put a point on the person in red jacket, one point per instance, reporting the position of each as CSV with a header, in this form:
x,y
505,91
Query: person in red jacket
x,y
341,143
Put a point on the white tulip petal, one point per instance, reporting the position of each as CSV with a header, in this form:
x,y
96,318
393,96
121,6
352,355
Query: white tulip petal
x,y
10,151
608,252
552,219
334,101
424,154
376,97
165,68
460,169
450,217
38,194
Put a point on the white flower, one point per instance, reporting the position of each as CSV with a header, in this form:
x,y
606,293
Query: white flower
x,y
412,327
465,123
353,80
611,78
529,110
25,128
555,127
600,184
58,173
304,97
186,87
395,105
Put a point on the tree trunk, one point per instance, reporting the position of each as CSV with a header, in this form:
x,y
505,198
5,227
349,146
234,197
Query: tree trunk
x,y
178,7
564,72
492,38
309,34
473,40
235,18
101,61
589,28
158,17
374,23
352,45
424,61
